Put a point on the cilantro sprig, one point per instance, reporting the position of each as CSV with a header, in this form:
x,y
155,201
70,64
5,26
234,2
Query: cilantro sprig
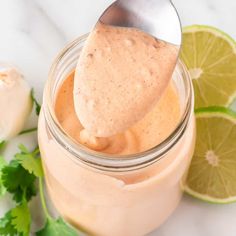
x,y
16,221
26,131
3,163
18,181
20,178
2,145
36,103
21,184
56,227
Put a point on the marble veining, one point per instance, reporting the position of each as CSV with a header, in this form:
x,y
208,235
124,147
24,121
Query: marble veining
x,y
34,31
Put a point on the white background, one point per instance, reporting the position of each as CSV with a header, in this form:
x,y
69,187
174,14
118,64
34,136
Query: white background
x,y
33,32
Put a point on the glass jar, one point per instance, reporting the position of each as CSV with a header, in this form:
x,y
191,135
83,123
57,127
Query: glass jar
x,y
121,196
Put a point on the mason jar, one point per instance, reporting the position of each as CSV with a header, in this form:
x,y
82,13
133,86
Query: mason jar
x,y
113,196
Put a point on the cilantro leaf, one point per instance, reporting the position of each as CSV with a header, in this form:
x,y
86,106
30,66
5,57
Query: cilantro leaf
x,y
37,105
18,181
2,145
23,148
6,227
55,228
3,163
16,221
21,219
30,161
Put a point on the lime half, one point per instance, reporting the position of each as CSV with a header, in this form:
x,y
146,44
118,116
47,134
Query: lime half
x,y
210,56
212,173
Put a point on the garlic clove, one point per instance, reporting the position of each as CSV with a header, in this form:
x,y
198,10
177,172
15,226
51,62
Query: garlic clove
x,y
15,101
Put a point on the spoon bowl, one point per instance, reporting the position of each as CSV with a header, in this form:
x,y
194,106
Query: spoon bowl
x,y
158,18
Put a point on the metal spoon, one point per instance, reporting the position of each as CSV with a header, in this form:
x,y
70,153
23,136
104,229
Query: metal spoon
x,y
159,18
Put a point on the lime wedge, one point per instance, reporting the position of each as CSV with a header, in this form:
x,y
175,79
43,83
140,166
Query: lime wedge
x,y
212,173
210,56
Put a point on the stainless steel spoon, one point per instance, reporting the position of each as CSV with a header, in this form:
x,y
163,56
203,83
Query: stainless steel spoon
x,y
159,18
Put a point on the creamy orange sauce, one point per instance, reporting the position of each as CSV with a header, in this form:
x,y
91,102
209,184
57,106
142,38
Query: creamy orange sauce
x,y
120,76
145,134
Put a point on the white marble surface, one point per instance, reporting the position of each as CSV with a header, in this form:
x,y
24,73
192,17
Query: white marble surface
x,y
32,33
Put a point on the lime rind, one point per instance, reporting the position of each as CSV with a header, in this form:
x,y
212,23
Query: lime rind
x,y
214,111
224,111
207,198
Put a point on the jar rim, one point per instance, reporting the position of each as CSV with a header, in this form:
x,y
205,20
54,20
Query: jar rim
x,y
108,162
